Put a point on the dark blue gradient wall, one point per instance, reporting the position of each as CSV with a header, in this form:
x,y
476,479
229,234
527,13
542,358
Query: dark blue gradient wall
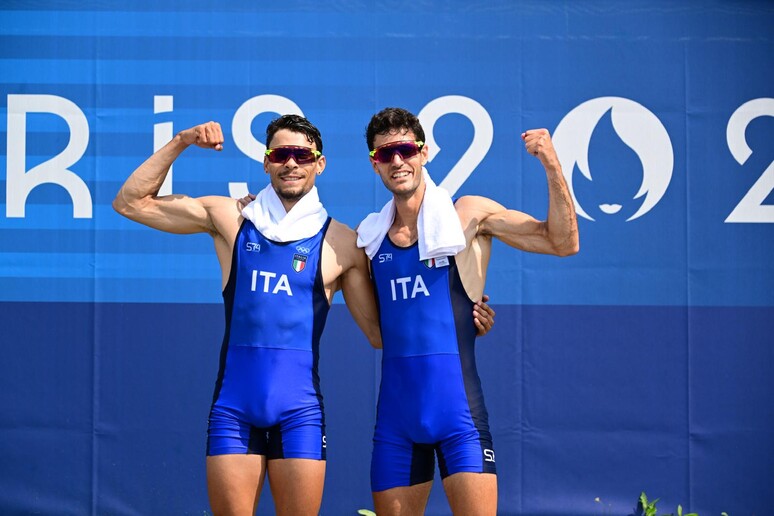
x,y
584,402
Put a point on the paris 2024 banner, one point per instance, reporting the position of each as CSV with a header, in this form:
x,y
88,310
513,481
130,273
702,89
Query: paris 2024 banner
x,y
641,364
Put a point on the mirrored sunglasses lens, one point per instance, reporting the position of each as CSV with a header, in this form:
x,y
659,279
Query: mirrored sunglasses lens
x,y
303,156
300,156
279,155
406,150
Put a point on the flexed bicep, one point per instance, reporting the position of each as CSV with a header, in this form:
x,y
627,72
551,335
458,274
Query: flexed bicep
x,y
138,198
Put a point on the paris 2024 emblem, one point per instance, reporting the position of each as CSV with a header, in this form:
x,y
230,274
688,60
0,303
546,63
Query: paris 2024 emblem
x,y
639,129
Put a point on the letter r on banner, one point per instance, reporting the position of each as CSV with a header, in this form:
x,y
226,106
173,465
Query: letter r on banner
x,y
19,181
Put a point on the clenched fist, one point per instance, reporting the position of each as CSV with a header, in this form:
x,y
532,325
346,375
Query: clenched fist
x,y
208,136
538,143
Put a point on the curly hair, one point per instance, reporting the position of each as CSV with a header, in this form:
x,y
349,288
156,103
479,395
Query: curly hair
x,y
393,119
296,124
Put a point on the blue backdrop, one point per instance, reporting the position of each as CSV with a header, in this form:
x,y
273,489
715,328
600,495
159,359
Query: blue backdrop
x,y
642,363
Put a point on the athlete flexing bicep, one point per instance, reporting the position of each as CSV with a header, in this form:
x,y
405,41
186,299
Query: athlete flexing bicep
x,y
483,219
275,305
219,216
427,341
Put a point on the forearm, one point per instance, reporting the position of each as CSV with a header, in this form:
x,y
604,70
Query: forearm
x,y
561,223
359,295
147,179
369,326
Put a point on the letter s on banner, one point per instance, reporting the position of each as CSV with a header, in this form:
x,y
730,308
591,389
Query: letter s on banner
x,y
243,136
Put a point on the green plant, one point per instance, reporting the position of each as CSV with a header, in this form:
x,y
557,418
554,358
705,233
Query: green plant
x,y
648,508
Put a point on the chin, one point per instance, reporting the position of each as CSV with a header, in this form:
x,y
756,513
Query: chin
x,y
293,194
404,190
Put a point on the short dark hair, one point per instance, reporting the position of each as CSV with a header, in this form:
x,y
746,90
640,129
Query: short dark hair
x,y
393,119
296,124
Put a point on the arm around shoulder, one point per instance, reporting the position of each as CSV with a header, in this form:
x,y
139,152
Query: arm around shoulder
x,y
356,286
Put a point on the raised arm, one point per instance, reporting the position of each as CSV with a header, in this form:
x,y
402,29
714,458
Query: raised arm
x,y
558,234
138,198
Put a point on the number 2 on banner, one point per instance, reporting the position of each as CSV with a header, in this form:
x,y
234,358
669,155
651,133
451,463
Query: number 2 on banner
x,y
483,133
751,207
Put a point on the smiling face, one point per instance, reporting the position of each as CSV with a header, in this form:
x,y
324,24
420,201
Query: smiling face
x,y
401,176
290,180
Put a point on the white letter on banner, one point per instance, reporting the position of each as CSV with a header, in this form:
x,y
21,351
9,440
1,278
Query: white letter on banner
x,y
162,134
20,182
751,207
243,136
483,133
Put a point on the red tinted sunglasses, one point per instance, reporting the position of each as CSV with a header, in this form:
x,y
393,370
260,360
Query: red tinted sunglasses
x,y
407,150
301,155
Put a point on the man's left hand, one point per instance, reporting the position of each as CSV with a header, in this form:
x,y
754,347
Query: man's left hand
x,y
483,316
244,201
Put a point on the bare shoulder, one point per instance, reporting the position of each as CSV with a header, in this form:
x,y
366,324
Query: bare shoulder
x,y
343,241
340,230
219,202
224,212
477,206
473,209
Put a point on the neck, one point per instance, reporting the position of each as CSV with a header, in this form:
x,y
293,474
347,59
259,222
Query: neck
x,y
289,204
407,208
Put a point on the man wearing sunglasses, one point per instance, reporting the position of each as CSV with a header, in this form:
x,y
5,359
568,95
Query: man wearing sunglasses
x,y
429,257
282,259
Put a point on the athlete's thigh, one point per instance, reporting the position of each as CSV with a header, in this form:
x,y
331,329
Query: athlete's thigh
x,y
403,501
297,485
234,483
472,494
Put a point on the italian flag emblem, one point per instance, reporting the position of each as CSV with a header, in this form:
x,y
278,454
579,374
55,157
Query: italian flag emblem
x,y
429,262
299,262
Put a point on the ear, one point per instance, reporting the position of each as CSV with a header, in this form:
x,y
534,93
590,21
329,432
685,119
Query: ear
x,y
266,164
321,164
425,154
374,165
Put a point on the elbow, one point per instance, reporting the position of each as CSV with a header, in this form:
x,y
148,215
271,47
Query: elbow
x,y
568,247
119,205
122,207
570,251
126,208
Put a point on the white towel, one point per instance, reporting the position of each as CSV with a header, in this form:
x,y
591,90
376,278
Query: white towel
x,y
303,220
439,229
